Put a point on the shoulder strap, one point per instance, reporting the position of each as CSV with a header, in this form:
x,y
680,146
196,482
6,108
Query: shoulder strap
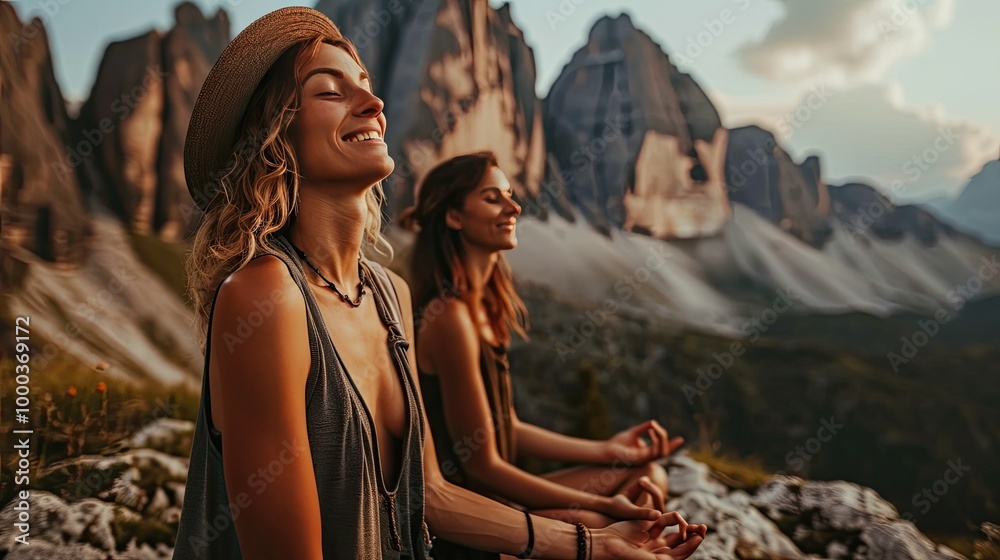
x,y
386,296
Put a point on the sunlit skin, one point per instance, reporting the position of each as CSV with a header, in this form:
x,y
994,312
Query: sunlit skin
x,y
449,346
257,389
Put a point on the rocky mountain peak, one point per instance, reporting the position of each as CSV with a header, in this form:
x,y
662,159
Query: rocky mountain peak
x,y
43,208
135,120
638,143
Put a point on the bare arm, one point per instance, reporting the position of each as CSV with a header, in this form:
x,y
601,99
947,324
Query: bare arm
x,y
545,444
262,417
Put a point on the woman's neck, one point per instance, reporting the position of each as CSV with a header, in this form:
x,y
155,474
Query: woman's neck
x,y
479,265
329,229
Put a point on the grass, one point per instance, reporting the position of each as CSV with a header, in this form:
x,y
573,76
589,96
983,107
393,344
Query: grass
x,y
77,409
961,544
163,258
747,474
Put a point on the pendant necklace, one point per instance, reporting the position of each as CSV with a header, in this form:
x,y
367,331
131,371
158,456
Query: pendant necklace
x,y
362,277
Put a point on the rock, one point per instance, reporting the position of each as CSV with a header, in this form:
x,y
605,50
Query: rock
x,y
84,527
762,176
168,435
189,51
158,504
107,311
861,207
687,475
638,143
127,100
140,106
175,490
838,550
990,547
44,550
900,540
736,529
128,478
171,516
831,515
82,530
839,505
42,208
832,519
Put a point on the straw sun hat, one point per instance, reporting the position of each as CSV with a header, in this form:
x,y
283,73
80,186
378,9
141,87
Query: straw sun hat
x,y
218,112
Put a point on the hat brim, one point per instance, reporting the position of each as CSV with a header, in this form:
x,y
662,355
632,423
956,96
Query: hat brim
x,y
226,92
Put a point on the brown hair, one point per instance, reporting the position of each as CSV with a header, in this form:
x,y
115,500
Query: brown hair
x,y
437,268
259,191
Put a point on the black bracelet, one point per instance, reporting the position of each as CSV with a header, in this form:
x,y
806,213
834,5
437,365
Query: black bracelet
x,y
531,538
581,542
590,537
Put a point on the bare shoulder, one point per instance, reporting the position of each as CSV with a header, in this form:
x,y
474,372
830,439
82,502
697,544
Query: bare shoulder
x,y
265,285
448,318
259,308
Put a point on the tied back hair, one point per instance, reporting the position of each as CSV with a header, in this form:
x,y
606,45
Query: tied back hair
x,y
437,266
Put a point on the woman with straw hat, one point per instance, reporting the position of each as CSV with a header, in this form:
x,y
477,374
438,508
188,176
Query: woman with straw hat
x,y
310,439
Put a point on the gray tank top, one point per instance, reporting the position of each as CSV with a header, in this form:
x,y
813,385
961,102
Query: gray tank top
x,y
360,516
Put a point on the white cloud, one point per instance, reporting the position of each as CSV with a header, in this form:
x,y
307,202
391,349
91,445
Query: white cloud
x,y
844,42
869,133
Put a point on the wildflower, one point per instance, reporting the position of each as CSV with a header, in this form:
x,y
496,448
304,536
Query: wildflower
x,y
102,387
71,392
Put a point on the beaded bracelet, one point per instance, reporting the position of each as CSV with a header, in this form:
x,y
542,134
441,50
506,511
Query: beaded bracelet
x,y
531,538
581,542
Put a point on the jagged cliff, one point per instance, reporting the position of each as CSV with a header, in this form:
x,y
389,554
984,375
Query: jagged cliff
x,y
763,177
136,116
639,144
43,209
89,279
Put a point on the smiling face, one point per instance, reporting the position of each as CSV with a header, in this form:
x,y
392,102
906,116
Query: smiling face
x,y
488,215
338,131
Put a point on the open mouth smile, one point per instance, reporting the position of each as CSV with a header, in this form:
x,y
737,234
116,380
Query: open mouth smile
x,y
364,136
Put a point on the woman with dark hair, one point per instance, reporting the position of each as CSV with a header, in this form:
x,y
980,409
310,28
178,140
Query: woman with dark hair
x,y
467,308
310,438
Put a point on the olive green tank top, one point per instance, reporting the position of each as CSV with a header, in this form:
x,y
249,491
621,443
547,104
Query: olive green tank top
x,y
360,516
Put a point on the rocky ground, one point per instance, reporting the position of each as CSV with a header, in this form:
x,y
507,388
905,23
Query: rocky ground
x,y
126,504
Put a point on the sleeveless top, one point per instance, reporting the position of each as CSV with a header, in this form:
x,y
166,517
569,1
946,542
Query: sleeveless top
x,y
495,371
360,517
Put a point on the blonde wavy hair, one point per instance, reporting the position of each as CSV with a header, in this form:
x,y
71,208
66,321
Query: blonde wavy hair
x,y
258,190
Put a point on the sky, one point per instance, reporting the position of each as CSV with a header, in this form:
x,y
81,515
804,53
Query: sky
x,y
901,94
